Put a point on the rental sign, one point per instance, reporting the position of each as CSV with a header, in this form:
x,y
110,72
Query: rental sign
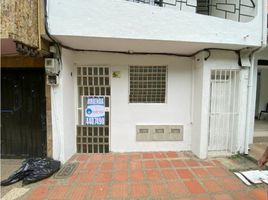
x,y
94,111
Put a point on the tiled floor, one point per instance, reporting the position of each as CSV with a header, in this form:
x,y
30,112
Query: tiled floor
x,y
161,175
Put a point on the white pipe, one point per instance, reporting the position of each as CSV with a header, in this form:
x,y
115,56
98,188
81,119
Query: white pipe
x,y
251,73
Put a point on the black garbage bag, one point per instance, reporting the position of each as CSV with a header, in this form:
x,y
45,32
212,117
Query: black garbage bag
x,y
40,169
33,170
16,176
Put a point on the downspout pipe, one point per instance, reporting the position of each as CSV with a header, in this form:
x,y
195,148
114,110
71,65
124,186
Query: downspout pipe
x,y
251,75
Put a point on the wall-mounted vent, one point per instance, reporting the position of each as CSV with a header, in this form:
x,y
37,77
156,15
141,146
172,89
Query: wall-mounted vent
x,y
159,133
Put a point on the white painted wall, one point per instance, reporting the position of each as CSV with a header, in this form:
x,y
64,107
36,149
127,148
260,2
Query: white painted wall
x,y
187,101
125,116
68,105
57,120
217,60
123,19
63,111
198,147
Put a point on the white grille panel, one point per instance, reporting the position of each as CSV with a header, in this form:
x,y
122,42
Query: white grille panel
x,y
224,107
147,84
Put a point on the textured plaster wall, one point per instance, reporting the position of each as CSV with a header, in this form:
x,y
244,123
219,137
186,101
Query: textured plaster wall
x,y
19,21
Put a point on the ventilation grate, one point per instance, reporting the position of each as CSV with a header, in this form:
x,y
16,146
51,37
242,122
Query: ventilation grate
x,y
159,133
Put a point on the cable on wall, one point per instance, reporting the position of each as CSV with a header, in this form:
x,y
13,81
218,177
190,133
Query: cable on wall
x,y
59,45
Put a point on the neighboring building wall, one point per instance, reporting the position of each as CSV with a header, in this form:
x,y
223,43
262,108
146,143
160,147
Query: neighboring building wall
x,y
19,21
263,90
263,55
22,62
49,122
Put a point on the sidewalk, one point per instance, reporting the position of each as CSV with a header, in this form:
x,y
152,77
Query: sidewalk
x,y
157,175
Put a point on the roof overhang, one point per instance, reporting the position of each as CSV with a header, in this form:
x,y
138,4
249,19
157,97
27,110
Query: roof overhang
x,y
139,45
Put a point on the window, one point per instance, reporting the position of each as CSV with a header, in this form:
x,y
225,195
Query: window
x,y
147,84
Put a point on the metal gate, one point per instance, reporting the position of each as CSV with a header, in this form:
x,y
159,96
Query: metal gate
x,y
93,81
23,113
224,107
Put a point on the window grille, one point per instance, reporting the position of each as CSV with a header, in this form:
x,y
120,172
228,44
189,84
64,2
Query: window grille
x,y
147,84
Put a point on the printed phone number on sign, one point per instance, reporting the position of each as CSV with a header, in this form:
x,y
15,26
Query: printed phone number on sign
x,y
95,121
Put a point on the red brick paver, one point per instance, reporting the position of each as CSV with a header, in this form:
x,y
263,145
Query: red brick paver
x,y
178,163
58,192
79,193
260,194
153,174
148,175
185,173
177,188
40,192
103,177
137,175
99,192
212,186
150,164
120,190
139,190
222,197
120,176
158,189
169,174
194,187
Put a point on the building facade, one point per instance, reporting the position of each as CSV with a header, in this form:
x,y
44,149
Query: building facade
x,y
149,75
26,129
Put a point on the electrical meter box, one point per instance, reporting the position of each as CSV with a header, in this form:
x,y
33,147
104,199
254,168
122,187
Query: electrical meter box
x,y
52,66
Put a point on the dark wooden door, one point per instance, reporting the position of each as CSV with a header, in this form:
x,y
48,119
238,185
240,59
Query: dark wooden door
x,y
23,113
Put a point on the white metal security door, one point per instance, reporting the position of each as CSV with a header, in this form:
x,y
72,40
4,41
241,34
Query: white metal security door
x,y
223,110
93,84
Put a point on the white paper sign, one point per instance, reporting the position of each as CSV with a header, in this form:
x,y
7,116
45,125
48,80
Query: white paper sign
x,y
94,112
253,176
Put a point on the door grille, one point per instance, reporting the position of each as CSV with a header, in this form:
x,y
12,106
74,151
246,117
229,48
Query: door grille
x,y
93,82
224,110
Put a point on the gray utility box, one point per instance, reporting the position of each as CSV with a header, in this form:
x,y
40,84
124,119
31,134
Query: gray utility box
x,y
159,133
